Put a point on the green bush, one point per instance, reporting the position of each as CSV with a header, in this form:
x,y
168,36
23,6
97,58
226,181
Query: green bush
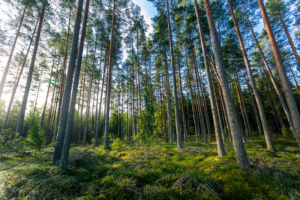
x,y
36,138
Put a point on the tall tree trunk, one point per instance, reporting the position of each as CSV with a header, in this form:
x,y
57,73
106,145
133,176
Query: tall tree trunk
x,y
67,92
106,139
192,99
81,112
69,125
287,112
98,89
18,80
78,112
253,105
2,83
89,96
102,88
188,118
242,105
270,145
178,129
45,104
282,74
62,85
37,96
31,67
201,115
181,93
221,99
289,38
138,72
211,90
240,152
170,123
293,76
270,97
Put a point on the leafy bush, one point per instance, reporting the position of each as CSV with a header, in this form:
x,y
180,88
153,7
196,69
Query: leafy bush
x,y
118,145
8,142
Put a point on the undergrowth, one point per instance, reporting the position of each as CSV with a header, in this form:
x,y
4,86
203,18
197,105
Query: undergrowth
x,y
157,171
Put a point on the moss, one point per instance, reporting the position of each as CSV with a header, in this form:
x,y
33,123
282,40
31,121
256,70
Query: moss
x,y
150,172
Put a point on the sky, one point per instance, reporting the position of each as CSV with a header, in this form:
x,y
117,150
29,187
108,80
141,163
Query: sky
x,y
147,10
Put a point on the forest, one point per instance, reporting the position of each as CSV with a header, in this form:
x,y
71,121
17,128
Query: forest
x,y
201,103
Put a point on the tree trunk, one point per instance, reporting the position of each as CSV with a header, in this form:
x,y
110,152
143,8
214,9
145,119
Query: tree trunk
x,y
98,89
29,77
12,52
102,87
67,92
37,96
287,112
242,106
218,130
81,112
62,82
178,130
289,38
89,96
181,93
170,123
69,126
45,105
240,152
201,116
284,79
106,141
18,80
261,111
253,105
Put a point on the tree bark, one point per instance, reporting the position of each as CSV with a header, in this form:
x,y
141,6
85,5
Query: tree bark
x,y
45,104
178,129
81,112
289,38
18,80
269,141
37,96
106,139
67,92
11,53
282,74
170,123
240,152
31,67
218,130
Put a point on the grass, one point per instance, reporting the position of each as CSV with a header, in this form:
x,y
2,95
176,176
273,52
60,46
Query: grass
x,y
157,171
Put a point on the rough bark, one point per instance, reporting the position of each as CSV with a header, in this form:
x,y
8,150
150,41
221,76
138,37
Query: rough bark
x,y
178,129
67,91
31,67
218,130
170,123
106,142
18,80
240,152
282,74
2,83
268,137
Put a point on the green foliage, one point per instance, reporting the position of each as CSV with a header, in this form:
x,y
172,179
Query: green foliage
x,y
9,142
157,171
118,145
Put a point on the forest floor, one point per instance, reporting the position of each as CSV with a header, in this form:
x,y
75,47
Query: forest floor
x,y
154,171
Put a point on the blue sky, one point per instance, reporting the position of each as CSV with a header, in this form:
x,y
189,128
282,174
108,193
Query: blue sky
x,y
147,10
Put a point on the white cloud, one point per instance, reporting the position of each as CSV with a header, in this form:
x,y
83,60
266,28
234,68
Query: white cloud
x,y
148,11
